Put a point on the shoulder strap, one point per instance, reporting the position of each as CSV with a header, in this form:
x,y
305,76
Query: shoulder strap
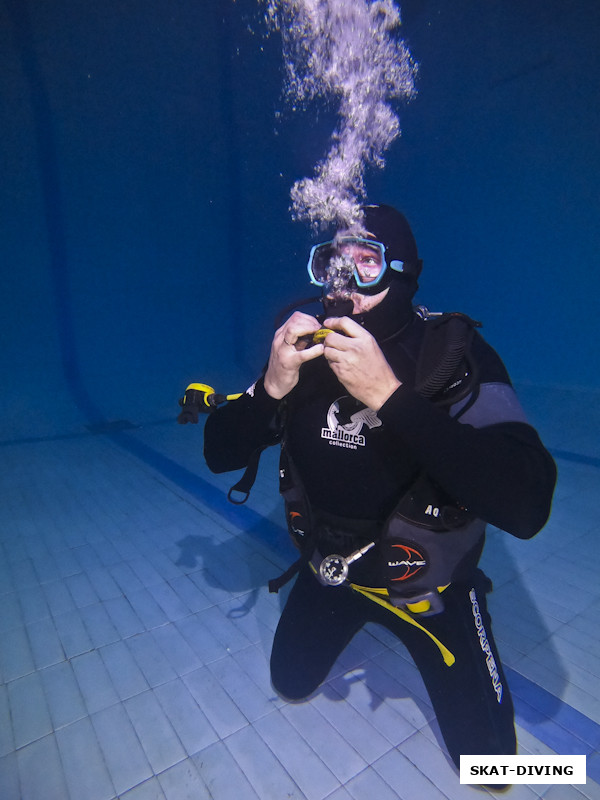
x,y
445,348
246,482
298,516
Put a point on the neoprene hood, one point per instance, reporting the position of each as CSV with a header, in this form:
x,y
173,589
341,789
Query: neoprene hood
x,y
391,228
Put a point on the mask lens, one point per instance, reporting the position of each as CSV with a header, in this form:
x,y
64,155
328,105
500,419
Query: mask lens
x,y
320,258
367,256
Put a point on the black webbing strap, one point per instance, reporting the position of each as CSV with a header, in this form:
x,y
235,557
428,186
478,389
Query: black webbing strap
x,y
246,482
275,584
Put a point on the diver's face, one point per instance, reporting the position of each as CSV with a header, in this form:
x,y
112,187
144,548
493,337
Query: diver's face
x,y
365,302
369,264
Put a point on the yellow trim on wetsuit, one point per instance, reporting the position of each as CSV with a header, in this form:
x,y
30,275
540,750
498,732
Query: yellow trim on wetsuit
x,y
379,595
414,608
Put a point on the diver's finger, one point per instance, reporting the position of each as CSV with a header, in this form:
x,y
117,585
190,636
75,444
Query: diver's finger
x,y
299,335
311,352
301,323
334,355
300,315
345,325
338,341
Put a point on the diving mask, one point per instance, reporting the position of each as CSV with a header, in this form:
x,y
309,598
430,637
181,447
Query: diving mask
x,y
349,263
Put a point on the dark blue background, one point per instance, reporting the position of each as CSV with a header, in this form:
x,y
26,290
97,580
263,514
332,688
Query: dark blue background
x,y
146,161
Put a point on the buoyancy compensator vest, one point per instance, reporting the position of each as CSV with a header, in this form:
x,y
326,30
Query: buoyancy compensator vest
x,y
428,535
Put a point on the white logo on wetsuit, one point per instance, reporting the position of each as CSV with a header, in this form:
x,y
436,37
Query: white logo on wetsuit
x,y
348,434
485,646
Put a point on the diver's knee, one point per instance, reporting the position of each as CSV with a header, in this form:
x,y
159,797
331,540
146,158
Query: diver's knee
x,y
287,696
292,691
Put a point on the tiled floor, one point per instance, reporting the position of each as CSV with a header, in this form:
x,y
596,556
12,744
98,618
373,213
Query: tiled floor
x,y
136,625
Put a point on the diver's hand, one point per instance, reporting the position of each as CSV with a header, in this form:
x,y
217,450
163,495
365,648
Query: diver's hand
x,y
358,363
288,352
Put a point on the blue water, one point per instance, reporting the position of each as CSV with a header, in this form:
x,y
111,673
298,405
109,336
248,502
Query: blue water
x,y
145,180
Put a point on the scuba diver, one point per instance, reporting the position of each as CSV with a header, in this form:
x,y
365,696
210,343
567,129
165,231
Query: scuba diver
x,y
401,436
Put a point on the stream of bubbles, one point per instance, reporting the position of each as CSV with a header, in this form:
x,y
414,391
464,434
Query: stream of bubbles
x,y
350,53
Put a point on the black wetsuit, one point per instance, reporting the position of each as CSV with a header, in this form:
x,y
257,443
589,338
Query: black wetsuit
x,y
356,464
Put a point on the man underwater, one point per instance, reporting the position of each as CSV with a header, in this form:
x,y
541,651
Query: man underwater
x,y
401,437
